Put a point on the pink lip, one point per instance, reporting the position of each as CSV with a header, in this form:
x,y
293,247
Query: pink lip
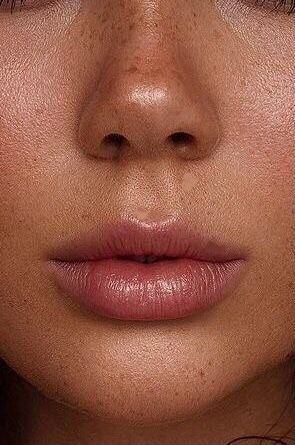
x,y
198,273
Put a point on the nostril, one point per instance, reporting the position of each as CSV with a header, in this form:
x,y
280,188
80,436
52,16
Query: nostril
x,y
114,139
181,138
111,145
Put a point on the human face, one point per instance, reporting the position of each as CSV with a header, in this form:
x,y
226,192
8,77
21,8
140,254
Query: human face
x,y
73,72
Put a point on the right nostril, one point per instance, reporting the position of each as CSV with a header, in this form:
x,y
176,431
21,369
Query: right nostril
x,y
114,139
181,139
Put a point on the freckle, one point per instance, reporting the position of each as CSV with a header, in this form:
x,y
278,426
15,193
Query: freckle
x,y
289,355
132,69
209,363
85,216
104,18
201,372
39,111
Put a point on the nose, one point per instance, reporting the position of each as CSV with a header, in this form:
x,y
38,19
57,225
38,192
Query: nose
x,y
147,102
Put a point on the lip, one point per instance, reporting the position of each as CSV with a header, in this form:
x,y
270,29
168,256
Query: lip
x,y
199,272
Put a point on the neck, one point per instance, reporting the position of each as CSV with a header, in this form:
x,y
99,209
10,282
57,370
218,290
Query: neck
x,y
262,407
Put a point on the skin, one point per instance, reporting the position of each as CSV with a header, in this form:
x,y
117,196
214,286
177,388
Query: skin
x,y
72,72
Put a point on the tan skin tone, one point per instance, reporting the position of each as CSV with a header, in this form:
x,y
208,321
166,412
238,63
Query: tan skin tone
x,y
71,71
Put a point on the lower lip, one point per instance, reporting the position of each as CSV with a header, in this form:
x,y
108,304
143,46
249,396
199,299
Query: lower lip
x,y
129,290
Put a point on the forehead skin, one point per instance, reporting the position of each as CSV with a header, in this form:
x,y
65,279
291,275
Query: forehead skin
x,y
72,72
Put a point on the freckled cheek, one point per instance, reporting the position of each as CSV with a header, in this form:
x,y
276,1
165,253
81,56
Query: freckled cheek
x,y
272,179
17,168
275,193
270,141
20,179
31,141
277,161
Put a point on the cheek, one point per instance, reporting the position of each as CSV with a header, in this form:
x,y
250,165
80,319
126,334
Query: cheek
x,y
263,135
18,175
269,159
34,139
264,103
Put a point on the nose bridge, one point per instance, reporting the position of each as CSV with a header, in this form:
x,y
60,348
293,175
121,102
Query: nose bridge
x,y
147,45
146,23
140,33
144,63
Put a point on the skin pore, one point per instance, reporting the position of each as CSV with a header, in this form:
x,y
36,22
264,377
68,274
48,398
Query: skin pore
x,y
73,71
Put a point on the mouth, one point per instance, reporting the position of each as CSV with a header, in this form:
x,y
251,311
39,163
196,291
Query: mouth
x,y
130,271
145,259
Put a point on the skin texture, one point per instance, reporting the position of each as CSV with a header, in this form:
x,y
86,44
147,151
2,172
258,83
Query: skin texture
x,y
71,73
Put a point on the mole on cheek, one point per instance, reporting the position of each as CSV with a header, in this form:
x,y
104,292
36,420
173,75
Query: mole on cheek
x,y
201,372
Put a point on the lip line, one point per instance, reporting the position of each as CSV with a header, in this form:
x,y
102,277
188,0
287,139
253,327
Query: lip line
x,y
96,260
128,238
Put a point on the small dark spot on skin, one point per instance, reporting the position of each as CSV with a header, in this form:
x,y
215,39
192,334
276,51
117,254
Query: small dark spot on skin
x,y
91,47
132,69
39,111
209,363
85,217
201,372
289,355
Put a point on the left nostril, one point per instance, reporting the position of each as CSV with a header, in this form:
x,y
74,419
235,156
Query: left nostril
x,y
111,145
181,138
115,139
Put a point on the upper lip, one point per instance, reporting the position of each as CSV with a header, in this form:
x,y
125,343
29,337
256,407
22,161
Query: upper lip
x,y
128,237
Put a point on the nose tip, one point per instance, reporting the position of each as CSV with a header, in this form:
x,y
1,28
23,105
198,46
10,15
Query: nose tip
x,y
148,115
